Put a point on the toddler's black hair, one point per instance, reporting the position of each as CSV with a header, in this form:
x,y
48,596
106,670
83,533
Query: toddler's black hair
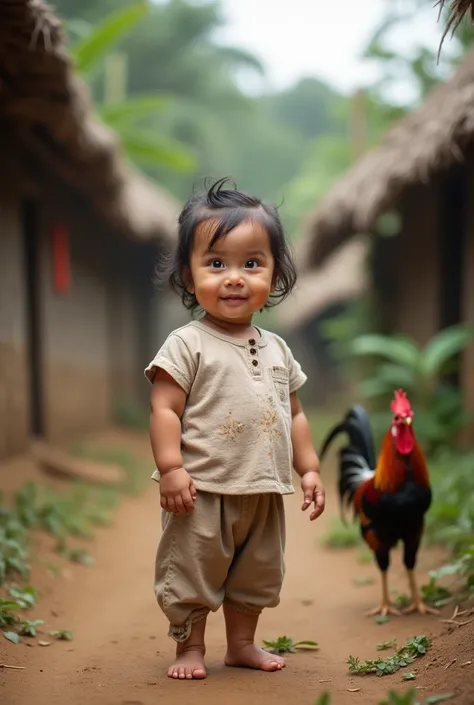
x,y
229,207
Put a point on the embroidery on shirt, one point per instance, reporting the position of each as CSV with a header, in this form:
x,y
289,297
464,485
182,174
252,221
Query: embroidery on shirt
x,y
231,429
268,425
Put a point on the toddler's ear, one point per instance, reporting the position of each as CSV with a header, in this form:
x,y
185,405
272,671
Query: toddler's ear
x,y
188,280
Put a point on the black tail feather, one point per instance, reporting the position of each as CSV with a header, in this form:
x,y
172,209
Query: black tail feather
x,y
357,426
357,458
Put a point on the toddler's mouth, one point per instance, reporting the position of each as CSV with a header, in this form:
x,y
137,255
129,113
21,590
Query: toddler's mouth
x,y
234,300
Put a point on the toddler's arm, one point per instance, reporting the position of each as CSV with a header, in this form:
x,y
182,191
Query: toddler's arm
x,y
305,460
167,404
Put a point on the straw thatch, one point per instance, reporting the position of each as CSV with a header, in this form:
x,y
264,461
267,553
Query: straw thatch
x,y
429,139
344,277
46,115
458,10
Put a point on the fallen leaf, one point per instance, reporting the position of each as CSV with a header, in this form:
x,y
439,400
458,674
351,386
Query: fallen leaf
x,y
12,636
353,690
45,643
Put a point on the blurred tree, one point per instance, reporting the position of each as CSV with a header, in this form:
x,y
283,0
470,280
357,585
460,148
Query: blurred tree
x,y
331,155
124,115
308,107
259,141
419,68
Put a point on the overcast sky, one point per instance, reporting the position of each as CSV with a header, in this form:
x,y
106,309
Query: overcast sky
x,y
324,38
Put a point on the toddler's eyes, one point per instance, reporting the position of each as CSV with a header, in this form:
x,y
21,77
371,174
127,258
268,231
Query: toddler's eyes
x,y
252,264
216,264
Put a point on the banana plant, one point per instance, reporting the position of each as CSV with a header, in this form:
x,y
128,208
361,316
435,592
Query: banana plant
x,y
400,362
141,145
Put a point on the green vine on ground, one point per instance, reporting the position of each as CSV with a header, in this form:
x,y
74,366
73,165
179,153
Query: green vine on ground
x,y
406,654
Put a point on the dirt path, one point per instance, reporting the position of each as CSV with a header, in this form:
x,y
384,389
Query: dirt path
x,y
120,650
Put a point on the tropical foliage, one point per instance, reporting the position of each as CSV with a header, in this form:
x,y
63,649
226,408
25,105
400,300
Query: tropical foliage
x,y
424,373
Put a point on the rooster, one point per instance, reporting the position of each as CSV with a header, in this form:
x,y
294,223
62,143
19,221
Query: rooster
x,y
389,496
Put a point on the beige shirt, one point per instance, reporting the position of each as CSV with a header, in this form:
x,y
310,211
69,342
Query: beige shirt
x,y
236,426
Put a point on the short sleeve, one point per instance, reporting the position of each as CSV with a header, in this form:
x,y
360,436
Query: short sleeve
x,y
296,375
176,359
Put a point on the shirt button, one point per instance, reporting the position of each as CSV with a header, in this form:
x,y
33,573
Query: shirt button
x,y
252,341
254,363
253,351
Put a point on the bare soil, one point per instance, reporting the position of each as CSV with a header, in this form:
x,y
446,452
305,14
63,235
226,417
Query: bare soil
x,y
120,650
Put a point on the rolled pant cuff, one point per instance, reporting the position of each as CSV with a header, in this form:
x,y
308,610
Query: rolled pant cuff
x,y
245,609
181,632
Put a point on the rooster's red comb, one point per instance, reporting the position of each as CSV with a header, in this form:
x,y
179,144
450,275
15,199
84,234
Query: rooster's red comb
x,y
400,404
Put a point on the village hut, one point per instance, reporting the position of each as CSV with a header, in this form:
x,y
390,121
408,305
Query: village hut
x,y
80,234
417,187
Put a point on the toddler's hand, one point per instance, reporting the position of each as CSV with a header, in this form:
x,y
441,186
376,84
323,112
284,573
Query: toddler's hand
x,y
313,491
177,490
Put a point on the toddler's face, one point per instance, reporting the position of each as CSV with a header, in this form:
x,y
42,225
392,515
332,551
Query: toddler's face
x,y
234,279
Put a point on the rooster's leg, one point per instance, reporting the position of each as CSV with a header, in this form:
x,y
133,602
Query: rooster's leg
x,y
417,604
409,558
385,607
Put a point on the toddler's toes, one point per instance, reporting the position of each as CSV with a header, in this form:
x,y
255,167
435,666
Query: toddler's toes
x,y
188,666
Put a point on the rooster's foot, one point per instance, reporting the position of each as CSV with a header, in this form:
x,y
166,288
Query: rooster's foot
x,y
419,607
384,610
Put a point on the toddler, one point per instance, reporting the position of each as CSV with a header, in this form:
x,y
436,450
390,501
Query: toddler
x,y
226,430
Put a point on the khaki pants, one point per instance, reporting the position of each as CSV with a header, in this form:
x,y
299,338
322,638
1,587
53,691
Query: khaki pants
x,y
229,549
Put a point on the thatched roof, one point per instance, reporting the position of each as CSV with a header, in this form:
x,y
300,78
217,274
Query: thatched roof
x,y
343,277
458,10
46,112
429,139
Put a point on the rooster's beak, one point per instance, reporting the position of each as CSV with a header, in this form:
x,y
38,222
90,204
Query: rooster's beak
x,y
408,420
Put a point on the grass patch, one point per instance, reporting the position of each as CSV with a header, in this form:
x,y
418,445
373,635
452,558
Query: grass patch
x,y
71,514
134,416
410,697
450,523
137,471
340,535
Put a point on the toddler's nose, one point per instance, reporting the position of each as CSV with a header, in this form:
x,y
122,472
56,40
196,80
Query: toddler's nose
x,y
234,278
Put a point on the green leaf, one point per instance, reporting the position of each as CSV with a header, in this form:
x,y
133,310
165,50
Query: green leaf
x,y
372,387
311,644
324,699
133,109
402,351
29,627
433,699
388,376
87,52
61,634
382,619
147,148
78,28
12,636
25,597
443,346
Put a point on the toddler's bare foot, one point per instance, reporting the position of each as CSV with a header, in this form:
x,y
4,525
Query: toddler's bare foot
x,y
252,656
188,665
